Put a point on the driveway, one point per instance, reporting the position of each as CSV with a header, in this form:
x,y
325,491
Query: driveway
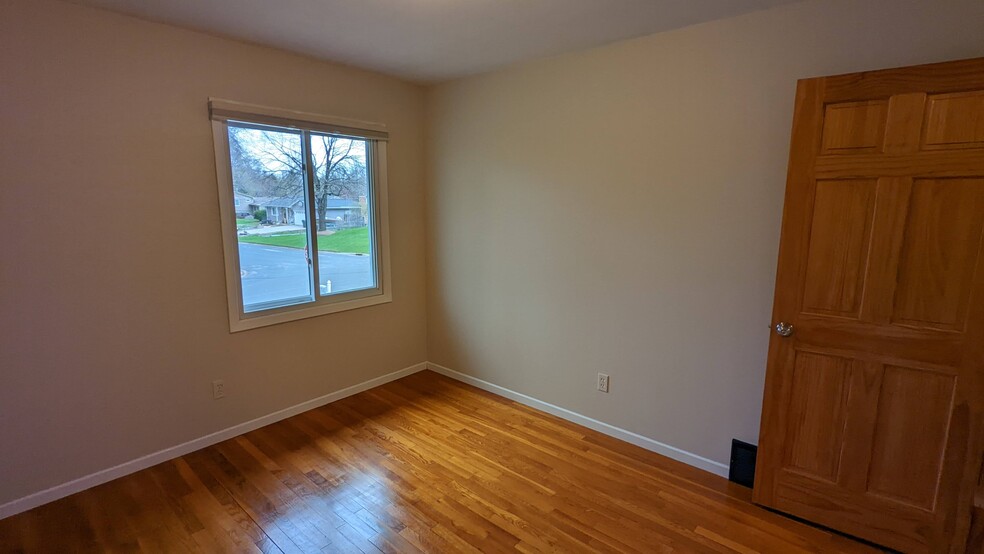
x,y
272,229
274,273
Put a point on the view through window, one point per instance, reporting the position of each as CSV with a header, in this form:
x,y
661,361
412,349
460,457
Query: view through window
x,y
295,189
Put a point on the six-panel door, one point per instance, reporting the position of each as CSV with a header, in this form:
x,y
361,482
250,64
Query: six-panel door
x,y
872,412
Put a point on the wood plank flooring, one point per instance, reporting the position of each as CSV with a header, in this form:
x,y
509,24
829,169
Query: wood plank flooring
x,y
423,464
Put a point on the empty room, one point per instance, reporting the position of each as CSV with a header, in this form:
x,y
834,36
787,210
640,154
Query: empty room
x,y
448,276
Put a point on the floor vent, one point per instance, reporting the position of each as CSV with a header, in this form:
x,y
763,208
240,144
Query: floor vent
x,y
742,469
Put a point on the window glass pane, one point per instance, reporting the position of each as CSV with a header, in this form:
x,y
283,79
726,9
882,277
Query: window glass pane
x,y
343,213
271,219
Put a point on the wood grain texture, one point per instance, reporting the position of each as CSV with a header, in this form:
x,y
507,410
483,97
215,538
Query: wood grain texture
x,y
423,464
912,424
945,77
819,397
853,127
842,215
975,544
880,268
955,120
939,253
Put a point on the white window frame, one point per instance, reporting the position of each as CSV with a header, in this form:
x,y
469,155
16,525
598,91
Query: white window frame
x,y
224,111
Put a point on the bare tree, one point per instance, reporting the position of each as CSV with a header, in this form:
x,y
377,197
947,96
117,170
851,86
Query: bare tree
x,y
338,173
248,177
338,166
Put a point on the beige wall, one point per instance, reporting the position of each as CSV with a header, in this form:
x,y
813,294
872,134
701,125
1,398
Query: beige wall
x,y
615,210
112,295
618,210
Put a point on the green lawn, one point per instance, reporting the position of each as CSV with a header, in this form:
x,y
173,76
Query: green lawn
x,y
247,223
352,241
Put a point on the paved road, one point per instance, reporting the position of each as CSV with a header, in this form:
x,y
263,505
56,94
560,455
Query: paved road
x,y
274,273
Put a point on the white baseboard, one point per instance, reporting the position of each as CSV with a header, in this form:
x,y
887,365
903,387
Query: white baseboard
x,y
126,468
77,485
673,452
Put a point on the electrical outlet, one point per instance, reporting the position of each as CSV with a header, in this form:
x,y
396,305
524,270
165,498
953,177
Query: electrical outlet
x,y
218,389
603,382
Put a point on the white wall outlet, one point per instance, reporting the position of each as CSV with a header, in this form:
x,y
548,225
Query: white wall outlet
x,y
603,382
218,389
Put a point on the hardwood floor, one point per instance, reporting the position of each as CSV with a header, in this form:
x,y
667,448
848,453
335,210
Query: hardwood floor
x,y
421,464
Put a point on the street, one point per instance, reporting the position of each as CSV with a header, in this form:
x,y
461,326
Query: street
x,y
274,273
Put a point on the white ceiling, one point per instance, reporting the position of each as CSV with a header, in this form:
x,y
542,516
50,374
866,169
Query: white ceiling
x,y
432,40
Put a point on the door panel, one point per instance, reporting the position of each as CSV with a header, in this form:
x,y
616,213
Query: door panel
x,y
955,120
819,398
912,423
939,255
871,421
842,214
852,127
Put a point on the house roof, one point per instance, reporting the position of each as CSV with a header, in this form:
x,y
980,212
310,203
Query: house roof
x,y
342,203
286,202
261,200
290,201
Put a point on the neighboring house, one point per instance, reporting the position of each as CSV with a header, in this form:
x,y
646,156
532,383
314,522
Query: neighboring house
x,y
291,211
243,202
344,211
258,202
284,211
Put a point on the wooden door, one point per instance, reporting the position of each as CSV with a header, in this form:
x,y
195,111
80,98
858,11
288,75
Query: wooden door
x,y
871,418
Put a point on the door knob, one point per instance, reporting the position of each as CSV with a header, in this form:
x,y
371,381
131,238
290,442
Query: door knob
x,y
784,329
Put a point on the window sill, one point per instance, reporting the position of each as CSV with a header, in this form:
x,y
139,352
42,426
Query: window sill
x,y
304,311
